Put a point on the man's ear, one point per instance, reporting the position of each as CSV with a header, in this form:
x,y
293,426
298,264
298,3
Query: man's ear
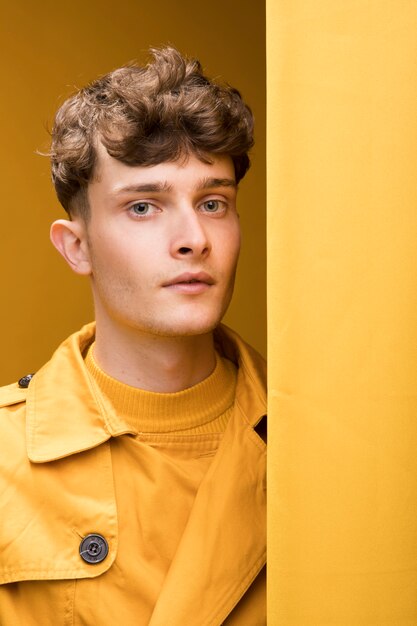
x,y
70,239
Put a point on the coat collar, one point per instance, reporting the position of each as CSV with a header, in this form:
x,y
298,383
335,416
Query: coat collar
x,y
65,414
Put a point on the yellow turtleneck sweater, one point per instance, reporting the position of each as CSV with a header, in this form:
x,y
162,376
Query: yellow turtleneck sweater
x,y
203,408
157,474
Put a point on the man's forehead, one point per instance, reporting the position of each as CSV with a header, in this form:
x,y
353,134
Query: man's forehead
x,y
163,177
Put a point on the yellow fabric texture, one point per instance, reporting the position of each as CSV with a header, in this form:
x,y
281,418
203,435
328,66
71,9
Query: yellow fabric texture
x,y
342,230
186,536
203,408
180,461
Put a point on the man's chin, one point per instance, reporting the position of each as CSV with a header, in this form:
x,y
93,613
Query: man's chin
x,y
187,330
188,327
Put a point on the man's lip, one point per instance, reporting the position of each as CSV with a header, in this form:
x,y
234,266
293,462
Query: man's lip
x,y
200,277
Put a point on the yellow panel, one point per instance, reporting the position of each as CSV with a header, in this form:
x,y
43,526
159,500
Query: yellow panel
x,y
342,230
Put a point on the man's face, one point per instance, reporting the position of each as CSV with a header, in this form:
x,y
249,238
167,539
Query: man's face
x,y
163,243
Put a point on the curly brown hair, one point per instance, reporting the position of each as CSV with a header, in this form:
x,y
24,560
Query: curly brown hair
x,y
144,116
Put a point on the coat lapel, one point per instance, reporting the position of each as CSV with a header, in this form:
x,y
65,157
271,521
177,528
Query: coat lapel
x,y
223,547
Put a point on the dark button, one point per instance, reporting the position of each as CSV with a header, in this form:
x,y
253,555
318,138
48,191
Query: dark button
x,y
25,380
94,549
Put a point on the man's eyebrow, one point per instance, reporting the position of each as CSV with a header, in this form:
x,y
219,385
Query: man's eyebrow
x,y
158,187
164,187
208,183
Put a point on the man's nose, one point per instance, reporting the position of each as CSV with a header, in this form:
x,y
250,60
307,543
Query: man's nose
x,y
190,237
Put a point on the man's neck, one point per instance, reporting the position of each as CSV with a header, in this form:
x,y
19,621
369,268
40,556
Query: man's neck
x,y
153,362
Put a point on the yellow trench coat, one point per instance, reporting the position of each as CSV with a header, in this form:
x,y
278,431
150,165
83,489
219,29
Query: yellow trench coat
x,y
56,487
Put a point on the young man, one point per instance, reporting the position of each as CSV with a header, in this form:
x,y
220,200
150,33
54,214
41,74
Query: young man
x,y
132,476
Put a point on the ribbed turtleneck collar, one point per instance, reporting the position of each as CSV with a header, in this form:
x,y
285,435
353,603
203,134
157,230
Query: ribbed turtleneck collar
x,y
148,411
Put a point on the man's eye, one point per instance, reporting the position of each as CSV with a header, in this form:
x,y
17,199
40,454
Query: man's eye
x,y
141,208
213,206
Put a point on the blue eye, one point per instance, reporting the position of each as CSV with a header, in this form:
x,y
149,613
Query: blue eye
x,y
211,206
141,208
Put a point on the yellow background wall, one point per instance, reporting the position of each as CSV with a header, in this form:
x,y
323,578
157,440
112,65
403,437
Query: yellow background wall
x,y
47,49
342,289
